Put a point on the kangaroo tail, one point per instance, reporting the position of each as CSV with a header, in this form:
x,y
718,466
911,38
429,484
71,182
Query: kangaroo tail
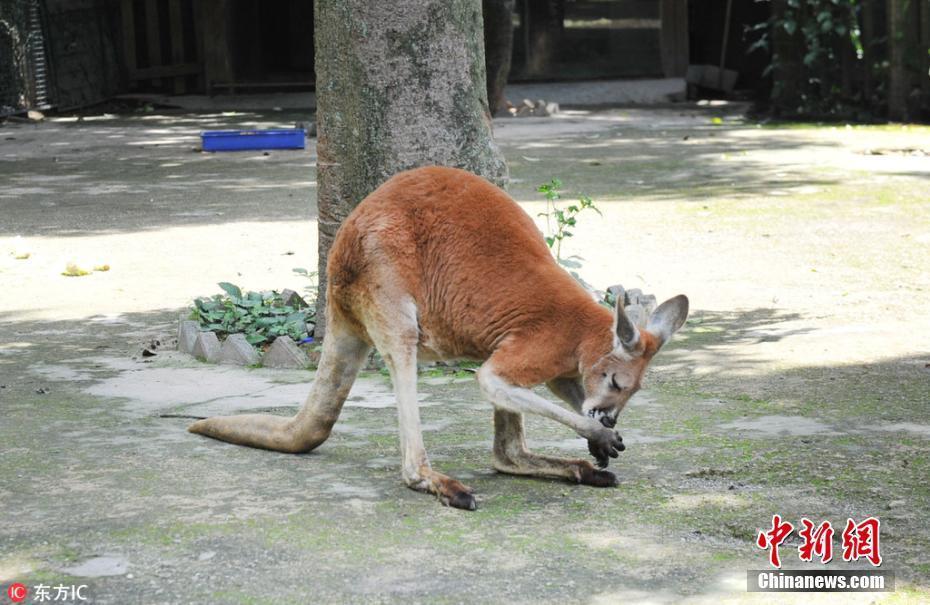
x,y
343,356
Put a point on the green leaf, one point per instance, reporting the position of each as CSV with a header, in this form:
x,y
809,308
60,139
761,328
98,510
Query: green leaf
x,y
231,289
790,27
254,339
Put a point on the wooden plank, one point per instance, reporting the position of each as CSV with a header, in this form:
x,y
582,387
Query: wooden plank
x,y
673,37
176,25
214,22
153,41
165,71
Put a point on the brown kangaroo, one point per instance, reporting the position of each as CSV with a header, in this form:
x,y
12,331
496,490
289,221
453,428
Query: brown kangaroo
x,y
438,263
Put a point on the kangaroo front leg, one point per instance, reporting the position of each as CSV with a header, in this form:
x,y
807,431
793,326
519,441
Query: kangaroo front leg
x,y
602,441
512,457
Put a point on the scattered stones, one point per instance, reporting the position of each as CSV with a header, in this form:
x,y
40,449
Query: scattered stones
x,y
187,334
236,350
284,353
527,108
206,347
637,306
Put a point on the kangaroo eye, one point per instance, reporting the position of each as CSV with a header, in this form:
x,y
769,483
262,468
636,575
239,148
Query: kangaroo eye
x,y
613,383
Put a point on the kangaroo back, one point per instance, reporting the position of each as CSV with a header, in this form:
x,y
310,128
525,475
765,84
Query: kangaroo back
x,y
472,260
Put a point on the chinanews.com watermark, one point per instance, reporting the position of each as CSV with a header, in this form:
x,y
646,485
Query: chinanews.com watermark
x,y
858,541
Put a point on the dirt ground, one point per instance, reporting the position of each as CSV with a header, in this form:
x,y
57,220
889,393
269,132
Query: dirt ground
x,y
799,386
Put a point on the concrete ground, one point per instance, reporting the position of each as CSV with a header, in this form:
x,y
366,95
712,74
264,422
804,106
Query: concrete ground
x,y
800,385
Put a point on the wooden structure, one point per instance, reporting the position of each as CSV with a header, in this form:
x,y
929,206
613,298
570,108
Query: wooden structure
x,y
183,46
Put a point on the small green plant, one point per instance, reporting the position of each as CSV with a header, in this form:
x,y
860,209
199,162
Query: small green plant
x,y
311,289
261,316
564,218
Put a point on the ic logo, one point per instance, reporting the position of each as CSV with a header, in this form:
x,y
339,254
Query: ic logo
x,y
17,592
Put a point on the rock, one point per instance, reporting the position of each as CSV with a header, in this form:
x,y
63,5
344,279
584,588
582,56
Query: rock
x,y
35,116
636,314
206,347
525,109
539,109
648,303
284,353
293,299
618,293
632,296
187,333
552,108
237,351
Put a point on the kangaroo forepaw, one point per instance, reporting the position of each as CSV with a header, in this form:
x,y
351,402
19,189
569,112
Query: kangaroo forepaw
x,y
606,444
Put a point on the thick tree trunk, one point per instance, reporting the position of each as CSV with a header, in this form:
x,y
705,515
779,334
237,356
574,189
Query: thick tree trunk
x,y
399,85
498,48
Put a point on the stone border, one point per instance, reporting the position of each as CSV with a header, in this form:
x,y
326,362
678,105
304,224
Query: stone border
x,y
236,350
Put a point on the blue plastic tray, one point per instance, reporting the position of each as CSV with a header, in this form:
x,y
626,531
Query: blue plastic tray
x,y
242,140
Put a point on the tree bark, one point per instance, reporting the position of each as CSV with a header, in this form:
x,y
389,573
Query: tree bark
x,y
498,48
399,85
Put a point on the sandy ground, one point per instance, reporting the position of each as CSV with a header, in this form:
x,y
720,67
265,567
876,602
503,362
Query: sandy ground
x,y
799,386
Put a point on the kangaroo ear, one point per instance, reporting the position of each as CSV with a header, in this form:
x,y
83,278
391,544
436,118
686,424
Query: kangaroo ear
x,y
625,329
670,316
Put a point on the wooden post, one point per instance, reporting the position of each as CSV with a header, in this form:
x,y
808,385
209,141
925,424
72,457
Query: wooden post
x,y
153,42
176,25
674,37
214,21
129,38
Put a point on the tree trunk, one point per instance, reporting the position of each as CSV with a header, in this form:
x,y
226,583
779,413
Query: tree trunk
x,y
498,48
546,23
786,56
897,72
399,85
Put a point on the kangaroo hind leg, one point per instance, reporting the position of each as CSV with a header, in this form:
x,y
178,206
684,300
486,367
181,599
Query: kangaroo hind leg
x,y
511,456
342,357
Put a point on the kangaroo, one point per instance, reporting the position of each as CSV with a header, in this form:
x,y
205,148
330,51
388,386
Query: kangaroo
x,y
439,264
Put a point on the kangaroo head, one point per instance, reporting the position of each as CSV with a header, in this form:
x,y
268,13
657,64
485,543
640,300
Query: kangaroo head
x,y
615,377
